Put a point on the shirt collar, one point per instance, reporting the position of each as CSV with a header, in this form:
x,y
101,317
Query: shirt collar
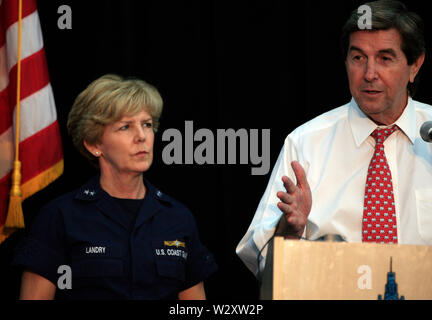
x,y
362,126
93,191
154,200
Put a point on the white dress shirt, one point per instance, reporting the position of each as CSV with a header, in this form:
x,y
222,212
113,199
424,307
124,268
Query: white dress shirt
x,y
335,149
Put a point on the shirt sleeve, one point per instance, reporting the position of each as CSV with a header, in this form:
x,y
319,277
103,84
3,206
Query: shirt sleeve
x,y
200,261
267,215
42,251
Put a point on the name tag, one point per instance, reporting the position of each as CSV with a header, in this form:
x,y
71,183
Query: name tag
x,y
95,250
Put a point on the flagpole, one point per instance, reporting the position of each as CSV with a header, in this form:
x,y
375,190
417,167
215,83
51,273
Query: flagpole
x,y
15,216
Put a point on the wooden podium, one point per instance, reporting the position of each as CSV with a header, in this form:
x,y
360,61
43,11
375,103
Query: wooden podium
x,y
310,270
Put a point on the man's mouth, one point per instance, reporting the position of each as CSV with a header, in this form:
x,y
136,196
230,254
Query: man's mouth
x,y
371,92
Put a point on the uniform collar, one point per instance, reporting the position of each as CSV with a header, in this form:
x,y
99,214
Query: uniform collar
x,y
92,190
156,193
154,200
362,126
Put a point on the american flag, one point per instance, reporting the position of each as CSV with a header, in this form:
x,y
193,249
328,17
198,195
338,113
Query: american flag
x,y
40,150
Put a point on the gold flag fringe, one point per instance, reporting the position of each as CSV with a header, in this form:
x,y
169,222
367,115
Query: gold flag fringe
x,y
15,216
31,187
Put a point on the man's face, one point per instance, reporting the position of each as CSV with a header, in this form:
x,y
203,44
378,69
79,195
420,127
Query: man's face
x,y
378,73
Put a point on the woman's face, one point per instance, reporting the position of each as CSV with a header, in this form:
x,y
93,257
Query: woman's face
x,y
127,145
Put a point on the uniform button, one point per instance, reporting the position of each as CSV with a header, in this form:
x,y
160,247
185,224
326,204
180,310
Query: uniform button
x,y
159,194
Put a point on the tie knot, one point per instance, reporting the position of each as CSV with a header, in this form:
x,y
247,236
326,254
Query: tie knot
x,y
381,134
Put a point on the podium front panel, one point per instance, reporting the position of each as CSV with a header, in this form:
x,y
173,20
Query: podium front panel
x,y
340,270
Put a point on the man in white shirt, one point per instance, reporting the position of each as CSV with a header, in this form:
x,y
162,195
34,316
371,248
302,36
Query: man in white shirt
x,y
331,156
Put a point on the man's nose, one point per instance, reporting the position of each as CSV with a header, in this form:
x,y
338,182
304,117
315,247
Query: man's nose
x,y
371,73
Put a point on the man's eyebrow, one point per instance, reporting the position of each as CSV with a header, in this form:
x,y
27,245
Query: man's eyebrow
x,y
389,51
354,48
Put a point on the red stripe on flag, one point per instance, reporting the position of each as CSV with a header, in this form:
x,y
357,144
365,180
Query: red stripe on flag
x,y
2,35
10,11
46,145
2,25
34,75
5,118
5,186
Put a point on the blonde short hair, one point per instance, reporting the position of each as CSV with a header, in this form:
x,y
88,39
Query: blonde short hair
x,y
105,101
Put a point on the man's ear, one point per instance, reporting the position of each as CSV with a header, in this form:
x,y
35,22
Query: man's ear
x,y
92,148
415,67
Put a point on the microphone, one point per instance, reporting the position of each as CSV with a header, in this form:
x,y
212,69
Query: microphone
x,y
331,238
426,131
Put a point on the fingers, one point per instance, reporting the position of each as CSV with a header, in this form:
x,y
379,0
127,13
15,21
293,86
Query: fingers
x,y
285,208
293,221
285,197
296,201
300,175
290,187
291,215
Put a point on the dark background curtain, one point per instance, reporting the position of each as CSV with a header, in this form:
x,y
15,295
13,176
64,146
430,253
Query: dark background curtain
x,y
222,64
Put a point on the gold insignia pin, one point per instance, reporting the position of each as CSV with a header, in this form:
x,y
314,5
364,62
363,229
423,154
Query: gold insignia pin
x,y
176,243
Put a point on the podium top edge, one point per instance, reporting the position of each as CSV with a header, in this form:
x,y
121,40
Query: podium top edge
x,y
281,239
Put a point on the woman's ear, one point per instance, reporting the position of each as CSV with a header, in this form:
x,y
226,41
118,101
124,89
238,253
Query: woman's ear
x,y
93,149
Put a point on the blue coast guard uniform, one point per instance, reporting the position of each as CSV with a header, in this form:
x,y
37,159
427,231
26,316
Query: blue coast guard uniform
x,y
111,254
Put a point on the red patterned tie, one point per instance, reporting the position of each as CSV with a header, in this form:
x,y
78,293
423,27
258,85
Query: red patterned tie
x,y
379,215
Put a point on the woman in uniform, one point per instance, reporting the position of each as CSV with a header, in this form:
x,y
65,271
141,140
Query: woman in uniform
x,y
116,237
